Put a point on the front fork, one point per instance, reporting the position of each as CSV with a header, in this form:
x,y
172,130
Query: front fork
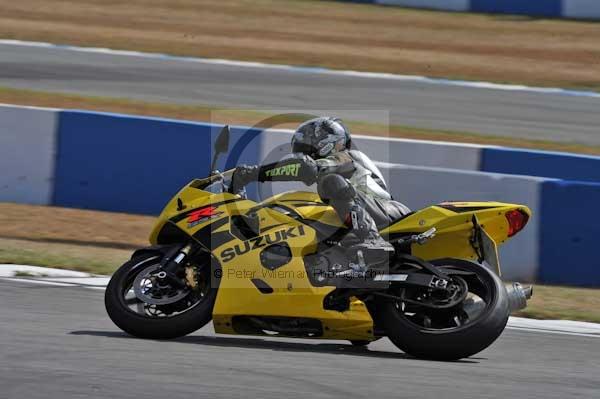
x,y
172,262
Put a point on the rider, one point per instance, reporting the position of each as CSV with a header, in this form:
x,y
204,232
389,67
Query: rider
x,y
346,179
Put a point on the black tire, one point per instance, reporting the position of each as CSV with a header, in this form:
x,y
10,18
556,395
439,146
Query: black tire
x,y
150,327
452,344
363,342
360,342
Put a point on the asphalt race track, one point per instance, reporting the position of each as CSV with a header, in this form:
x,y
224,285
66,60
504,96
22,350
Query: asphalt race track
x,y
57,342
552,117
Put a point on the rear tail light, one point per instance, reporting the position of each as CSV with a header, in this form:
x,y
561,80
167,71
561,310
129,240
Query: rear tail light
x,y
517,219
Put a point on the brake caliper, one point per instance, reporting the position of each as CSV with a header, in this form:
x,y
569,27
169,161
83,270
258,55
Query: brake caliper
x,y
190,277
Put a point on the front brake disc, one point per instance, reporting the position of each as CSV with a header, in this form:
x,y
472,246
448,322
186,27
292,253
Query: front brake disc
x,y
148,288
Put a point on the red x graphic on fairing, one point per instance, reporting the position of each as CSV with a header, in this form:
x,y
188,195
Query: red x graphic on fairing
x,y
202,213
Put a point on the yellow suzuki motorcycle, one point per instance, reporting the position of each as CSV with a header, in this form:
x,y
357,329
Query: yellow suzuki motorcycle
x,y
278,268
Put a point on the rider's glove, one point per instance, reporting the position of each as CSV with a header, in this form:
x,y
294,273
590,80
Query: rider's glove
x,y
243,175
295,167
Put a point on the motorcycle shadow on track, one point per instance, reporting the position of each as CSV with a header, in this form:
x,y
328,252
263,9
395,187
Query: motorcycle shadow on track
x,y
259,343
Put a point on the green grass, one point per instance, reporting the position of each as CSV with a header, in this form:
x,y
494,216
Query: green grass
x,y
563,303
61,256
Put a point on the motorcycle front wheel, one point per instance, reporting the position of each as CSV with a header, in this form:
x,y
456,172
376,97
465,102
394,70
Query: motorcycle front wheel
x,y
438,332
143,306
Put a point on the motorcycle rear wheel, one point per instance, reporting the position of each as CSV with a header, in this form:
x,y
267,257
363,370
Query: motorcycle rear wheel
x,y
164,321
418,335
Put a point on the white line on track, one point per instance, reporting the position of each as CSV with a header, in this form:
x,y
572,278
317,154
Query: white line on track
x,y
38,271
546,331
36,281
312,70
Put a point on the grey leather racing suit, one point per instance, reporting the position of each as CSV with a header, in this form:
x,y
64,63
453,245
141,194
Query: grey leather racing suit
x,y
364,178
347,180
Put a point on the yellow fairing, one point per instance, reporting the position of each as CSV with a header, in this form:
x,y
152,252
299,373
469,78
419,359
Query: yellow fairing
x,y
194,198
454,224
308,205
293,295
453,221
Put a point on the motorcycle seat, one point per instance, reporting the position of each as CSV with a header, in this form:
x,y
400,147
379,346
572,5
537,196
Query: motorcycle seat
x,y
385,213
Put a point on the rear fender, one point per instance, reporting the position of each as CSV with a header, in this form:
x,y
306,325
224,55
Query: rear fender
x,y
465,230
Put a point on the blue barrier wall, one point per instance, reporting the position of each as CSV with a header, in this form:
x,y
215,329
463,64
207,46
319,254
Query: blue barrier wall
x,y
133,164
539,163
569,232
581,9
547,8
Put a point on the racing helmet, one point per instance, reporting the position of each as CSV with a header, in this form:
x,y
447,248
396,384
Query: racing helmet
x,y
321,137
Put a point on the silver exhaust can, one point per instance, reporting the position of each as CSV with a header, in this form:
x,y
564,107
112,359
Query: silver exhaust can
x,y
518,296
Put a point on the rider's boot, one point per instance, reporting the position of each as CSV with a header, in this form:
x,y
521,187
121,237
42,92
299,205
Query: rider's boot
x,y
368,250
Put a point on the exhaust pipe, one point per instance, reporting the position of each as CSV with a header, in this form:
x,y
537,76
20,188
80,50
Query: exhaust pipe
x,y
518,296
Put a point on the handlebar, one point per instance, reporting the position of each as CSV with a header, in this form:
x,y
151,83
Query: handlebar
x,y
228,174
215,177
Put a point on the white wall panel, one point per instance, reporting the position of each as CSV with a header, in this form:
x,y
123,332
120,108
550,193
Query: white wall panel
x,y
27,154
420,152
586,9
419,187
465,156
452,5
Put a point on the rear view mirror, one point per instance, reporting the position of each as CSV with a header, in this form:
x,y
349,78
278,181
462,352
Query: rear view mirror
x,y
222,142
221,146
